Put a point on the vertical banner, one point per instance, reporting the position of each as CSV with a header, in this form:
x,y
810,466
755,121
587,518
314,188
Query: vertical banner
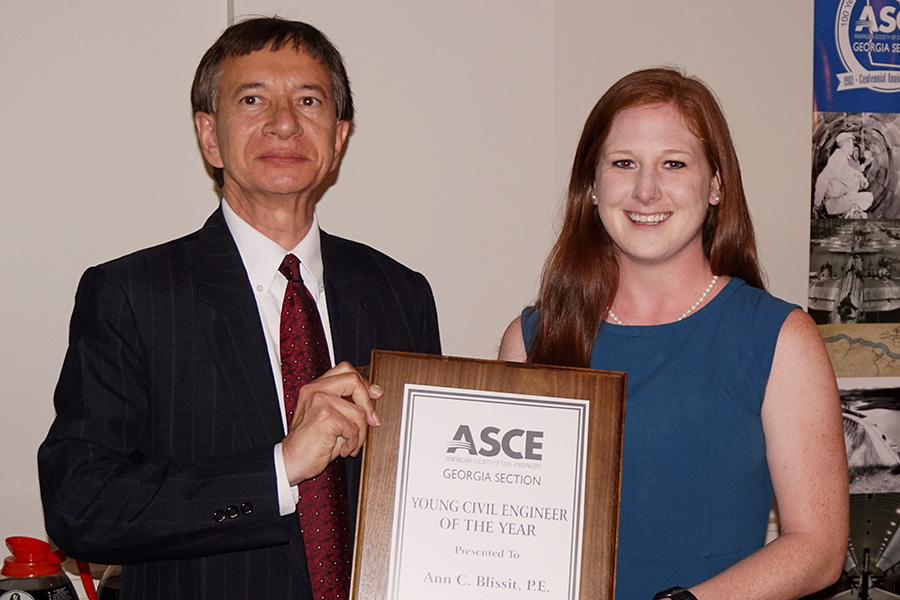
x,y
854,274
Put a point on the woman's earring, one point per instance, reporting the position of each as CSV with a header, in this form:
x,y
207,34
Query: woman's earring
x,y
717,199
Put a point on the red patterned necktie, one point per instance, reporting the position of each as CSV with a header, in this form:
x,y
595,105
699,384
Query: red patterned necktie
x,y
322,507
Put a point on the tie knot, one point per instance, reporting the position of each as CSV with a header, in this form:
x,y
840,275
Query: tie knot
x,y
290,268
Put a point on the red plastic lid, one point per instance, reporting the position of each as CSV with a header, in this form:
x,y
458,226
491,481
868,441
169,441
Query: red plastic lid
x,y
31,558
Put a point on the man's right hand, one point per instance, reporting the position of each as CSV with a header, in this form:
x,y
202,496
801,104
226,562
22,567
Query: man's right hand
x,y
331,419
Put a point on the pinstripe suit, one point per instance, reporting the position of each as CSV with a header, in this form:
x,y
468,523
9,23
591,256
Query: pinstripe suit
x,y
167,412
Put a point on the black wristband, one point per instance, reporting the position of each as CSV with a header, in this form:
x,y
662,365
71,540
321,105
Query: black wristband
x,y
675,593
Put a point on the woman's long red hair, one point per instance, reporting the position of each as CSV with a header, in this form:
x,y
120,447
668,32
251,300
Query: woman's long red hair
x,y
581,275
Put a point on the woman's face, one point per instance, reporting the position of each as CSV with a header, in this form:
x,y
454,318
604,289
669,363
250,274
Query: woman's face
x,y
654,186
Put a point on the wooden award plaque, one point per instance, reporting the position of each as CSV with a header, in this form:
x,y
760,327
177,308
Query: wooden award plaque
x,y
505,533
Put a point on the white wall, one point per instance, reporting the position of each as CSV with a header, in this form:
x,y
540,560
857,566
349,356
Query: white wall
x,y
97,158
468,116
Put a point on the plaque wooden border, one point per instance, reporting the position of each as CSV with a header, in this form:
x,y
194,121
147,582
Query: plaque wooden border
x,y
605,390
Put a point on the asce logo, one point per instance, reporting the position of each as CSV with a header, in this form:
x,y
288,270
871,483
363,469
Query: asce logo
x,y
886,23
527,443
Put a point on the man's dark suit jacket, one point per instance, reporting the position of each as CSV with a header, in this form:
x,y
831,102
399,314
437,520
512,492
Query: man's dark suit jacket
x,y
167,412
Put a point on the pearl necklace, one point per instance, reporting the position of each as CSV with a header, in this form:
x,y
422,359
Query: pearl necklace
x,y
693,307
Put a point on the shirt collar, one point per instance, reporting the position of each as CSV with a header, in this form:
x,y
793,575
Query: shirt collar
x,y
262,256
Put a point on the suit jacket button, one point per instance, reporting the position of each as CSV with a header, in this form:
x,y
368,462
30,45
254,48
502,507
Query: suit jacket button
x,y
219,515
246,508
232,511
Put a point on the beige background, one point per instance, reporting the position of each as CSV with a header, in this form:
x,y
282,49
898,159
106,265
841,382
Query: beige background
x,y
469,112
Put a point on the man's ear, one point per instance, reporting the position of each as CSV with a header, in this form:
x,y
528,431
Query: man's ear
x,y
205,124
340,138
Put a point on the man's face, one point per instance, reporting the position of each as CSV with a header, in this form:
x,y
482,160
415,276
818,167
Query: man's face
x,y
275,133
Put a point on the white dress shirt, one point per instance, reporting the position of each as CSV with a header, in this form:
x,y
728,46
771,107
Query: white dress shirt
x,y
262,257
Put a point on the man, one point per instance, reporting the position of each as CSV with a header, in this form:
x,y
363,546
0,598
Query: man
x,y
838,185
172,451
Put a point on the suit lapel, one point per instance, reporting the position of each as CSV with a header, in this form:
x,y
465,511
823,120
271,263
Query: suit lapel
x,y
347,289
239,345
236,337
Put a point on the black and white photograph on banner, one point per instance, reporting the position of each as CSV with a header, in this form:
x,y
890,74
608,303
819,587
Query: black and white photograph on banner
x,y
871,409
856,166
854,271
872,570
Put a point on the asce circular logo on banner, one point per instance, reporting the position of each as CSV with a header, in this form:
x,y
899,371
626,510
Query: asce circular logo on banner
x,y
867,33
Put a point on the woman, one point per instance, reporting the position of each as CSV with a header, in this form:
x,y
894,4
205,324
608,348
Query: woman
x,y
730,392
